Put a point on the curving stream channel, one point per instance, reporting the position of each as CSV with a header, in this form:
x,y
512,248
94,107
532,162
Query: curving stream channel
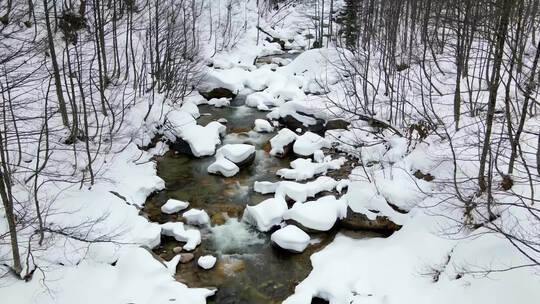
x,y
249,268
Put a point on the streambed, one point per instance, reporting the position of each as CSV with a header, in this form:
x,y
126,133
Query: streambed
x,y
249,268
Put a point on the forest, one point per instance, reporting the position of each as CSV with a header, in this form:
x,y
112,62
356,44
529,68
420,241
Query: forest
x,y
270,151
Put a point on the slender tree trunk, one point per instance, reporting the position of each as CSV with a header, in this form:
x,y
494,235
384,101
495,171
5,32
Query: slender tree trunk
x,y
56,71
505,7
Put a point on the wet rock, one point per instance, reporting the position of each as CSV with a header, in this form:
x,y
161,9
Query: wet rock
x,y
186,257
177,249
337,124
218,93
181,146
230,267
246,162
293,123
359,221
218,219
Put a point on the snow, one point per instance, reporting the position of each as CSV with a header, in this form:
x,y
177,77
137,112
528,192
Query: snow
x,y
297,191
173,206
282,139
318,156
196,217
207,261
236,153
227,158
192,237
291,238
190,107
136,278
303,169
308,143
224,167
219,102
362,197
263,126
266,214
201,140
319,215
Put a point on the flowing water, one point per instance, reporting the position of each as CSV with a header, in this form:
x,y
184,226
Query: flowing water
x,y
249,268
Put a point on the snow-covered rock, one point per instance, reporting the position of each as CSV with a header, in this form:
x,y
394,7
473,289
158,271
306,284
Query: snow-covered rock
x,y
318,156
224,167
191,108
300,192
230,158
319,215
308,143
201,141
263,125
237,153
196,217
266,214
173,206
219,102
291,238
279,142
303,168
207,261
192,237
265,187
297,191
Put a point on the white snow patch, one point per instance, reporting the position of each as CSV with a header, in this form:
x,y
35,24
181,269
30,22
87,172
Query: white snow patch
x,y
309,142
173,206
266,214
262,126
196,217
192,237
291,238
207,261
318,215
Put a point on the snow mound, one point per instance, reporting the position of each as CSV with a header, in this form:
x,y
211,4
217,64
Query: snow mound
x,y
265,187
202,140
229,157
281,140
320,215
318,156
291,238
207,261
191,237
303,169
262,125
196,217
220,102
363,197
173,206
308,143
297,191
191,108
263,101
230,79
224,167
266,214
237,153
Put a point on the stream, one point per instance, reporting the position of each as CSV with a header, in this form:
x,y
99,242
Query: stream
x,y
249,268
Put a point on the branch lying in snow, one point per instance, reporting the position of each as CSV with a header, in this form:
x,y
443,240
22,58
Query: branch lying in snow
x,y
374,122
274,39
